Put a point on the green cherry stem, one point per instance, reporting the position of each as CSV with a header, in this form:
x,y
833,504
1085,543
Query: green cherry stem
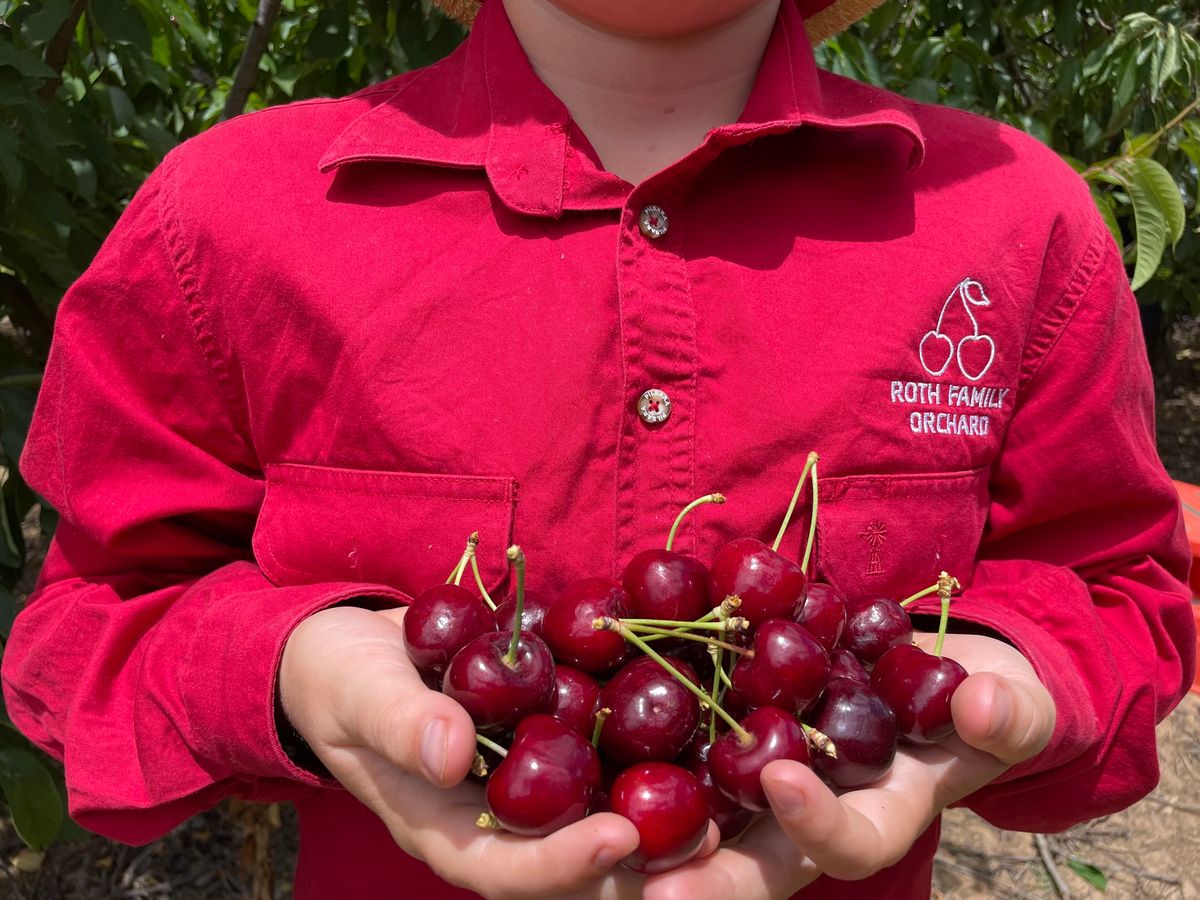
x,y
483,592
651,631
699,501
932,589
516,558
718,656
808,464
812,520
468,553
490,744
606,623
946,584
601,716
734,623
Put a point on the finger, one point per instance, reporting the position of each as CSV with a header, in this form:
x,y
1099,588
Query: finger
x,y
581,856
851,837
764,865
389,710
1010,718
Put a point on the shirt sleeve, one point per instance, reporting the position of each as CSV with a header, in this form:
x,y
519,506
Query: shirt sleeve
x,y
147,654
1084,559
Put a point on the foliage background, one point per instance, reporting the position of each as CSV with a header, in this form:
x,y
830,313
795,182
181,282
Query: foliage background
x,y
94,92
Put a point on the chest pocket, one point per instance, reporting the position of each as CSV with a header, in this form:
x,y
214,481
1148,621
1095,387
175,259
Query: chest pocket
x,y
406,530
890,535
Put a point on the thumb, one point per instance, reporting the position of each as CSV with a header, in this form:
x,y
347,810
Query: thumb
x,y
1010,718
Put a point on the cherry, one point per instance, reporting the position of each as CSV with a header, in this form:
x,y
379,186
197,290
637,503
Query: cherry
x,y
769,585
667,806
874,626
536,604
548,780
844,664
440,622
653,714
736,760
663,584
823,614
863,729
731,817
576,699
919,685
568,628
788,669
500,679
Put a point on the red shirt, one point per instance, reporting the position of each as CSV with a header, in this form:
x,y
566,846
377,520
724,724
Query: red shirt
x,y
328,340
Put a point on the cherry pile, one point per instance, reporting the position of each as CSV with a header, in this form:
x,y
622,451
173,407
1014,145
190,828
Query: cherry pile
x,y
662,697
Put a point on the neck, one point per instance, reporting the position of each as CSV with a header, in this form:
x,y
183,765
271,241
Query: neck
x,y
644,102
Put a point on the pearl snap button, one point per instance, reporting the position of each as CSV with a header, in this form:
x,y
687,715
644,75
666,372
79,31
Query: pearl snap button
x,y
654,406
653,222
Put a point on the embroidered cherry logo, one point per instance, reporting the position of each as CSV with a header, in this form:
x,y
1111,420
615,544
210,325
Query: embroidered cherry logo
x,y
936,351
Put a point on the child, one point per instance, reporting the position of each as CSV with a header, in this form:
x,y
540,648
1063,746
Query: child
x,y
618,254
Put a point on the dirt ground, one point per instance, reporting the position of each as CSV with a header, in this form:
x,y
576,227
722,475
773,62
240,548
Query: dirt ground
x,y
1151,850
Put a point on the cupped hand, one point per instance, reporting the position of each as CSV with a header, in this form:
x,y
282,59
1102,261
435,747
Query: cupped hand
x,y
348,687
1003,715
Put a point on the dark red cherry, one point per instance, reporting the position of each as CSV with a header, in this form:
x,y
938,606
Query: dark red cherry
x,y
496,695
653,715
536,604
568,628
548,780
918,686
844,664
662,584
736,767
440,622
731,817
874,626
823,614
771,585
667,806
862,728
788,669
576,699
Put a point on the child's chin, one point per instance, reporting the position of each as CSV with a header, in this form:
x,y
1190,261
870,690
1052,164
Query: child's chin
x,y
656,18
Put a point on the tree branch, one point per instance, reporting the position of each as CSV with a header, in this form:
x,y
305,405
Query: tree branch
x,y
59,48
247,69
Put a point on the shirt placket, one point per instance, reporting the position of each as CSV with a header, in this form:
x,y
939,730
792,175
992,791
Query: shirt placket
x,y
656,453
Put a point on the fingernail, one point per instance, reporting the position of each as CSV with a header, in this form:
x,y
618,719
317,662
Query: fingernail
x,y
786,798
433,750
1001,711
607,857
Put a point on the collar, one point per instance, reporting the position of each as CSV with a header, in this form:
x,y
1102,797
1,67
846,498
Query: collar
x,y
484,107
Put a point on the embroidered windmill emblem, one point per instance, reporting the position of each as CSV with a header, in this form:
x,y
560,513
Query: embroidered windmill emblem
x,y
875,534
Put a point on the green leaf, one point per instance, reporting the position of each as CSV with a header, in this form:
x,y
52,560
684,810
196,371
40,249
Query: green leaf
x,y
11,170
122,23
1104,204
1157,209
1088,873
23,61
33,800
43,24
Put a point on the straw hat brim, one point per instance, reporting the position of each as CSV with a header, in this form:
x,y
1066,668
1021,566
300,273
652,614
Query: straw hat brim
x,y
838,16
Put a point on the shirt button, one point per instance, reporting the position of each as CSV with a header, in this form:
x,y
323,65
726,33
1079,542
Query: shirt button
x,y
654,406
653,222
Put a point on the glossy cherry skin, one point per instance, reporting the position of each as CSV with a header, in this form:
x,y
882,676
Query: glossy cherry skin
x,y
736,768
844,664
770,585
576,699
497,696
536,604
789,668
823,614
731,817
568,629
667,806
548,780
862,728
918,686
653,715
874,626
440,622
662,584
